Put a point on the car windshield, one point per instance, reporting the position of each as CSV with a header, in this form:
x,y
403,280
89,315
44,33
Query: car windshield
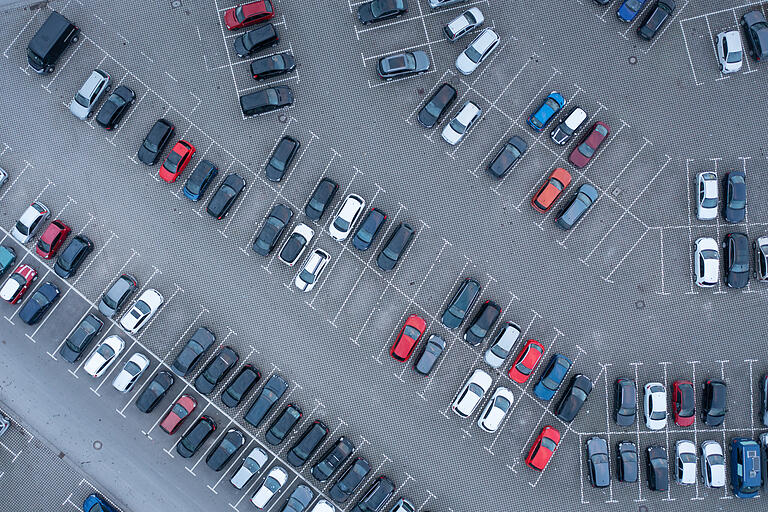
x,y
132,368
733,57
499,351
411,332
44,246
716,460
173,160
341,224
580,394
586,150
709,202
239,14
155,388
475,389
307,276
82,100
109,301
292,247
549,382
658,415
548,444
21,228
179,411
142,307
272,484
251,465
502,403
473,54
434,108
457,126
634,5
106,351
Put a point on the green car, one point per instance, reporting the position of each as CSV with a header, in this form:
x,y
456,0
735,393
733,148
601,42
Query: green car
x,y
7,258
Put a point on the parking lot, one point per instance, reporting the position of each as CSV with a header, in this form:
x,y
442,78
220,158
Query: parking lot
x,y
614,294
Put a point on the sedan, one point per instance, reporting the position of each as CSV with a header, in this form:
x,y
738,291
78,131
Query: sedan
x,y
273,390
712,464
248,14
764,398
436,106
16,285
281,159
551,190
431,352
251,465
502,344
198,181
115,107
226,195
216,370
464,23
403,64
39,303
256,39
272,229
729,51
598,462
182,408
477,51
155,142
276,478
283,425
234,393
660,13
131,372
117,295
296,244
345,220
72,256
584,199
333,459
142,310
513,150
272,66
471,393
706,259
484,319
30,221
368,229
266,100
380,10
52,239
573,400
756,33
552,104
457,129
496,410
552,378
625,402
685,452
226,448
683,403
655,405
194,438
395,247
626,462
152,395
177,161
629,9
94,503
379,493
313,268
320,198
349,481
736,260
706,204
714,403
526,361
760,251
658,468
104,355
80,338
545,445
299,499
408,338
735,203
460,304
583,153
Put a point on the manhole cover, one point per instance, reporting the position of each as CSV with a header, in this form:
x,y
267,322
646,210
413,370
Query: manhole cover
x,y
97,445
282,118
632,60
617,192
640,304
176,3
420,91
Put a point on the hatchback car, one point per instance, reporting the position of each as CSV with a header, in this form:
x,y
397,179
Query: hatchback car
x,y
283,424
306,445
403,64
729,51
482,323
178,412
736,260
18,282
526,361
3,176
30,221
320,199
195,437
132,371
225,449
281,159
629,9
746,467
368,229
402,505
117,295
272,66
625,402
655,405
756,33
275,480
395,247
216,369
563,132
312,269
142,310
464,23
543,448
296,244
552,377
459,126
299,499
431,352
380,10
89,95
496,410
660,13
155,141
255,40
706,258
584,152
333,459
706,205
471,393
735,202
460,304
225,196
598,463
502,344
573,400
7,259
712,464
350,480
80,338
52,239
177,161
551,190
408,338
658,469
714,403
236,390
684,403
477,51
248,14
685,456
583,200
626,462
552,104
266,100
39,303
764,398
272,229
114,109
104,355
251,465
154,392
198,181
442,3
760,251
72,256
345,219
270,394
436,106
379,493
94,503
510,154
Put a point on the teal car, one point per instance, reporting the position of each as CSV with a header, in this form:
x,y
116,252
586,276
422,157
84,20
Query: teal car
x,y
7,259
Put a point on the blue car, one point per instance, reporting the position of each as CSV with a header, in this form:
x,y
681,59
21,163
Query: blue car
x,y
548,110
552,377
95,504
198,181
629,9
746,478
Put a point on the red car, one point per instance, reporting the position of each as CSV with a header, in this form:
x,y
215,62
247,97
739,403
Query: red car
x,y
526,361
408,338
180,410
248,14
17,283
583,153
684,401
52,239
543,448
551,190
177,161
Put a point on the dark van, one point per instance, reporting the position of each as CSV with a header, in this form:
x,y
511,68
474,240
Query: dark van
x,y
49,43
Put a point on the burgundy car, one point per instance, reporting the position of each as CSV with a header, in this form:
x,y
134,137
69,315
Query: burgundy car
x,y
583,153
180,410
52,239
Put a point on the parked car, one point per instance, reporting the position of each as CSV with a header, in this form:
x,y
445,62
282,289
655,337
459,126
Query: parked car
x,y
395,247
132,371
460,304
272,66
114,109
483,322
442,3
296,244
299,499
543,447
283,425
234,393
625,402
552,377
746,467
272,392
307,444
584,152
464,23
248,14
563,132
496,410
660,13
378,494
117,295
552,104
81,338
333,459
152,395
52,239
49,42
471,393
266,100
685,455
193,350
281,159
182,408
402,505
629,9
177,161
72,256
216,370
513,150
583,200
706,207
226,195
142,310
380,10
155,141
94,503
90,93
756,33
408,338
706,262
3,176
502,344
684,403
255,40
598,463
526,361
251,465
368,229
736,260
323,506
104,355
197,182
30,221
714,403
39,303
712,464
462,122
760,250
735,203
349,481
477,51
312,269
573,400
729,51
431,352
5,424
403,64
195,437
218,458
320,198
7,259
658,469
655,405
275,480
345,219
272,228
18,282
626,463
551,190
436,106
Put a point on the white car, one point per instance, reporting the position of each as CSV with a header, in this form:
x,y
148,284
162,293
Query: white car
x,y
252,464
95,87
471,393
296,244
104,355
760,250
348,214
496,409
706,204
131,372
706,262
502,344
441,3
477,51
313,268
3,176
686,462
455,130
276,478
713,463
655,406
141,311
30,221
323,506
729,51
464,23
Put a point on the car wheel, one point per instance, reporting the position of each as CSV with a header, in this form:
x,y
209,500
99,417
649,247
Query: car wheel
x,y
75,39
50,69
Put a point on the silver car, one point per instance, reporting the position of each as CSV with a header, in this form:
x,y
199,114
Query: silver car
x,y
252,464
729,51
496,409
706,203
477,51
5,423
345,220
760,249
458,127
502,345
713,464
276,478
30,221
131,372
3,176
85,101
464,23
442,3
313,268
706,262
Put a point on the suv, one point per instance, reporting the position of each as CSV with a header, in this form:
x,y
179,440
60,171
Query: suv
x,y
756,32
746,477
464,23
460,304
378,494
89,95
273,390
307,443
333,459
72,256
478,50
266,100
115,107
396,246
346,485
256,39
50,41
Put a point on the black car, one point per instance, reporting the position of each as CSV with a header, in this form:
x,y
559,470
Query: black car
x,y
240,386
333,459
598,462
436,106
198,181
266,100
195,437
154,392
660,13
225,196
299,499
321,198
756,32
346,485
72,256
216,370
155,142
626,462
197,345
714,403
431,352
272,66
39,303
395,248
283,425
273,390
307,443
115,107
658,470
117,295
574,397
460,304
585,197
272,229
484,319
513,150
380,10
281,159
735,204
80,338
368,229
223,452
736,260
378,494
625,402
256,39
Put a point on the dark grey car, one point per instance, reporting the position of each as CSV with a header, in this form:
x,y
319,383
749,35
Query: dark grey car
x,y
512,151
117,295
273,227
197,345
79,340
585,197
395,248
299,499
333,459
431,352
598,461
626,462
625,402
461,303
402,64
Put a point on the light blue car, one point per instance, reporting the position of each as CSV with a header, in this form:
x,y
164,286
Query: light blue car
x,y
629,9
547,111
